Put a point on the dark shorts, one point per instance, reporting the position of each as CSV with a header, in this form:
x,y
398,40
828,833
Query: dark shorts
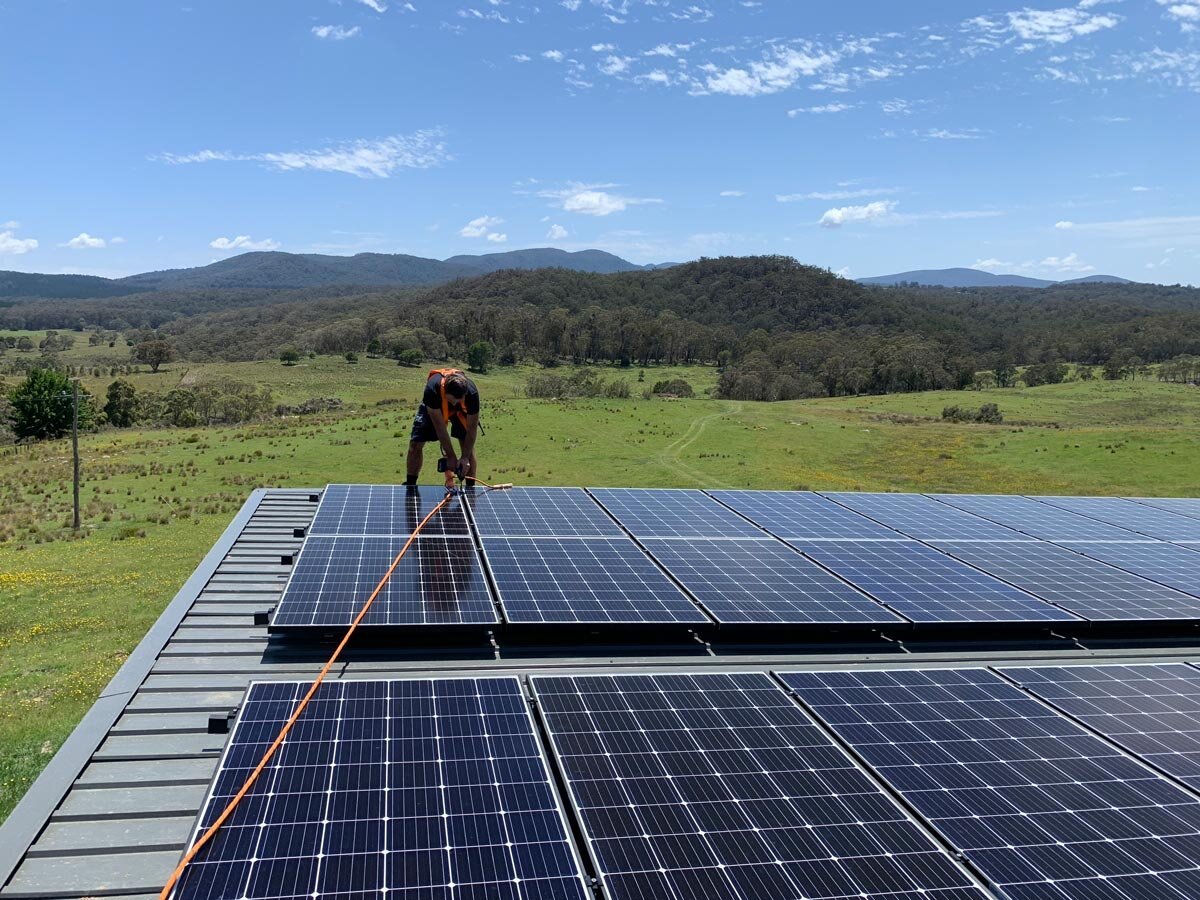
x,y
423,430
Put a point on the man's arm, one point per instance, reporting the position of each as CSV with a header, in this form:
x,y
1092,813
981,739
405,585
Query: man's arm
x,y
468,441
443,434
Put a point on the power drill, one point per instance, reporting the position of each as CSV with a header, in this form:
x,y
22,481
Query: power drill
x,y
444,466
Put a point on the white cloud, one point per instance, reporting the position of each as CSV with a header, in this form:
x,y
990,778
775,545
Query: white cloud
x,y
10,225
615,65
733,193
1070,264
480,227
496,238
11,245
837,195
381,7
593,200
1186,14
522,57
827,108
556,233
1064,225
835,218
603,48
553,55
780,68
362,158
944,134
335,32
118,240
896,107
1053,26
84,241
1151,228
243,242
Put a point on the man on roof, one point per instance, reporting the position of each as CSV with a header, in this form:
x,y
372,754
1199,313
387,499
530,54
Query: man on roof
x,y
449,409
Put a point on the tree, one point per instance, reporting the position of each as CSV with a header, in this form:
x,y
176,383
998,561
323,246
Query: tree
x,y
351,356
154,353
289,357
410,358
374,348
1006,374
41,406
479,356
121,405
24,344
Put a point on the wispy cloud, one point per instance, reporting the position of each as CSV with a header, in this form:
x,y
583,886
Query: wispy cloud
x,y
11,245
335,32
593,199
377,5
819,110
733,193
363,158
243,242
837,195
839,216
481,227
1053,26
557,233
1184,229
85,241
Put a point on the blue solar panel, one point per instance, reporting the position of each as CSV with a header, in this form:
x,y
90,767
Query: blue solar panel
x,y
803,514
591,580
1169,564
1077,583
1184,506
927,586
1147,520
664,513
540,512
412,790
362,510
1036,519
762,581
718,787
438,582
1152,710
1043,809
924,518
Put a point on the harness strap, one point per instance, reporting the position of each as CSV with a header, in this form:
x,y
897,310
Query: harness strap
x,y
460,414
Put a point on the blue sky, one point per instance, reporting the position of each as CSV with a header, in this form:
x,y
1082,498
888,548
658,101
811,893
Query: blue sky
x,y
866,137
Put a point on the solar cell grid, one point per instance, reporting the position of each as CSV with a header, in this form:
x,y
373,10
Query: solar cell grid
x,y
1174,566
408,789
538,511
1042,808
439,582
1084,586
542,580
665,513
927,586
1184,506
1147,520
1040,520
1151,710
758,581
718,787
384,510
921,517
803,514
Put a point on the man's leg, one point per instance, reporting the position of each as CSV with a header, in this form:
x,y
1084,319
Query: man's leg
x,y
416,455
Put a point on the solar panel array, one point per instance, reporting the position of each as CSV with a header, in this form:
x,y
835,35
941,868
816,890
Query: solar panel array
x,y
1185,506
1041,807
405,789
719,786
1151,710
609,556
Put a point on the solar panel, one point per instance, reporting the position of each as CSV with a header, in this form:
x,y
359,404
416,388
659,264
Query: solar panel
x,y
692,787
439,582
762,581
1037,519
1174,566
803,514
920,517
1150,521
544,580
663,513
1045,810
927,586
1151,710
1184,506
539,511
1084,586
360,510
413,790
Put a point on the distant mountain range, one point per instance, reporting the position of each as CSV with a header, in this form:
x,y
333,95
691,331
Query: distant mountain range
x,y
275,270
955,278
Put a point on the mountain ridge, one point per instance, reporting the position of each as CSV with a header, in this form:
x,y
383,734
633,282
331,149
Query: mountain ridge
x,y
967,277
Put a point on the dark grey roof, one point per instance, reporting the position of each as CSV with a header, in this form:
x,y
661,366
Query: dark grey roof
x,y
111,813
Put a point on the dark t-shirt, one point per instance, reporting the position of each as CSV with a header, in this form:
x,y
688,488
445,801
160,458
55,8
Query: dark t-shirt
x,y
433,395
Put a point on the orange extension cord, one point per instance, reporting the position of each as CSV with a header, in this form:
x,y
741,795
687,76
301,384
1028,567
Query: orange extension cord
x,y
287,726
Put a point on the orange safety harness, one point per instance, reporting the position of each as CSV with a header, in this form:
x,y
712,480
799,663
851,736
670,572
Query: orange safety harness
x,y
461,412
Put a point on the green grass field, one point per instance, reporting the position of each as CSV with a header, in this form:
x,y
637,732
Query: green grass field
x,y
155,500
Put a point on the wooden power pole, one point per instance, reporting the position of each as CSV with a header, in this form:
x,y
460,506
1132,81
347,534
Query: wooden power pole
x,y
75,446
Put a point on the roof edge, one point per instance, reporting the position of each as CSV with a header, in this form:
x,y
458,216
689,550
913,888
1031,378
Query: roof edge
x,y
27,819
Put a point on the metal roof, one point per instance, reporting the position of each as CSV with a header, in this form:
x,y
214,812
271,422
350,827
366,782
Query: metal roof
x,y
111,813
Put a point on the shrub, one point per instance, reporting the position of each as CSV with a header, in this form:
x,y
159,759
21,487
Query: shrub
x,y
988,414
581,383
411,357
289,357
674,387
351,356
